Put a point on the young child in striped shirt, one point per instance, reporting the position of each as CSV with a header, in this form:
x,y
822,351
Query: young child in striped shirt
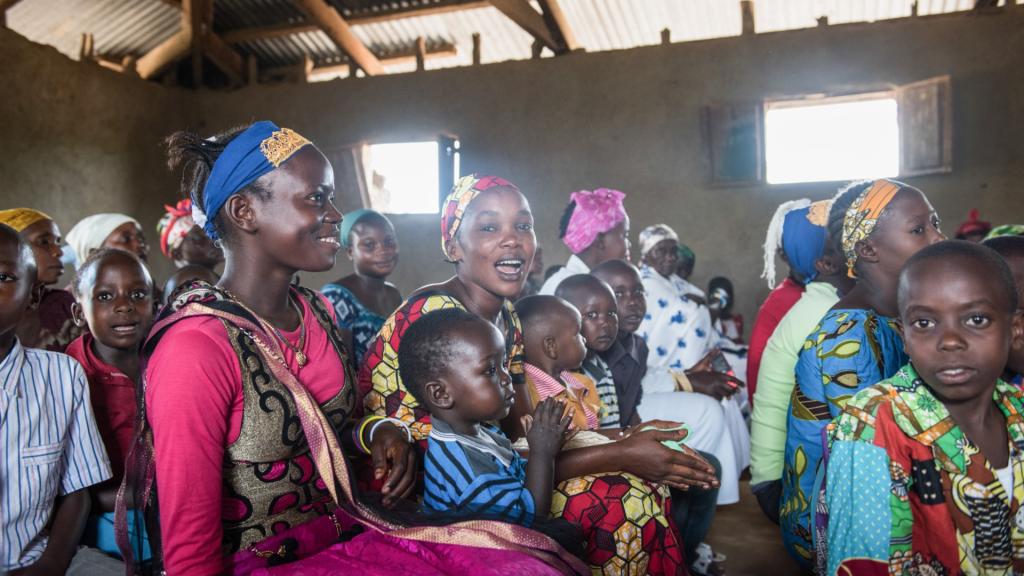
x,y
453,362
50,450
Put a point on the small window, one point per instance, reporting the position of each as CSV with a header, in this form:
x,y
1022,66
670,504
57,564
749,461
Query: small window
x,y
831,139
403,178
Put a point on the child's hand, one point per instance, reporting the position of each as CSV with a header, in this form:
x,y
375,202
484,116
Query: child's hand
x,y
545,430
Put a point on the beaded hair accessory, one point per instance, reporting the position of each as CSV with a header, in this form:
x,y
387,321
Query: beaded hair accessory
x,y
281,145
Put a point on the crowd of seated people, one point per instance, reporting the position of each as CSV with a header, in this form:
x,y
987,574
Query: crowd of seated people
x,y
589,419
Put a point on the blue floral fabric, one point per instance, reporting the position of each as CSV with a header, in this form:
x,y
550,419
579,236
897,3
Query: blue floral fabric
x,y
353,316
848,351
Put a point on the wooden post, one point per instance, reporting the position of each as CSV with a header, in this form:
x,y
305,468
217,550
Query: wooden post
x,y
194,10
747,9
536,49
666,37
307,67
86,51
128,65
476,49
252,74
421,54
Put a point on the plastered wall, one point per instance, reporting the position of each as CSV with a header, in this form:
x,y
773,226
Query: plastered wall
x,y
627,120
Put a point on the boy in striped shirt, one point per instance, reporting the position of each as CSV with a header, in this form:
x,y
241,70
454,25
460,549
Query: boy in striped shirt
x,y
50,450
453,362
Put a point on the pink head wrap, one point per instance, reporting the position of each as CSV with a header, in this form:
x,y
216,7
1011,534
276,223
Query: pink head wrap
x,y
596,213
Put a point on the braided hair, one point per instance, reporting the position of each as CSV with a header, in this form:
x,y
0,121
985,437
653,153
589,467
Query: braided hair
x,y
195,156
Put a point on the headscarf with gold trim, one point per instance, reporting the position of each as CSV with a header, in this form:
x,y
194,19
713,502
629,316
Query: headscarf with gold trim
x,y
257,150
464,191
862,217
804,232
21,218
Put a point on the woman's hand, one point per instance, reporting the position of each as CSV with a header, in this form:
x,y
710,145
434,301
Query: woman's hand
x,y
644,454
394,460
718,385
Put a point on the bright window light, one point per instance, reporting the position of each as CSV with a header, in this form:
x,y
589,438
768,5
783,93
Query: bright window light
x,y
403,178
826,141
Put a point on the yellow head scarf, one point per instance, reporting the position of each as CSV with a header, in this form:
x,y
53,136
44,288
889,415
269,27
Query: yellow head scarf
x,y
862,217
21,218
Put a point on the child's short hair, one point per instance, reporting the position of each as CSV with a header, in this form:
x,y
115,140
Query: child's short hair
x,y
536,312
998,271
87,270
428,348
24,249
1006,246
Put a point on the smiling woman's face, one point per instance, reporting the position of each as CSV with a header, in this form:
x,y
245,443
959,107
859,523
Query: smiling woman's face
x,y
496,242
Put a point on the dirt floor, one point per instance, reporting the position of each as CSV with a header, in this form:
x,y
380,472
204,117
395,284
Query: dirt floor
x,y
752,543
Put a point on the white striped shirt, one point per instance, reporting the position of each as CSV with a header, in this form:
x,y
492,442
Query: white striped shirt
x,y
50,447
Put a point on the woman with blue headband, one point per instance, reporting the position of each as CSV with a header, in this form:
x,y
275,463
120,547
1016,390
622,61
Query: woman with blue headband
x,y
364,299
247,423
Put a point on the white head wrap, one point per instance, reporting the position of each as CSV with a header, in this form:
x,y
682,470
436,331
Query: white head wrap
x,y
90,232
773,240
650,236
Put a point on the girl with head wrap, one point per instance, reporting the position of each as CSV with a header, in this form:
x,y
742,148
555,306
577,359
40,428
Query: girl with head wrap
x,y
266,397
487,233
876,225
184,242
363,299
796,235
595,228
682,341
50,324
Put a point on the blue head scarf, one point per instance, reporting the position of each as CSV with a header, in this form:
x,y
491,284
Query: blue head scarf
x,y
259,149
803,238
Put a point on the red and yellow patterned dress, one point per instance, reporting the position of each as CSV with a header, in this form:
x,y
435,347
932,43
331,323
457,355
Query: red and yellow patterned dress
x,y
625,520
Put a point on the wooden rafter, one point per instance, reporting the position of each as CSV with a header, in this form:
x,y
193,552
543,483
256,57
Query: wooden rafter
x,y
339,31
169,51
559,25
523,14
402,57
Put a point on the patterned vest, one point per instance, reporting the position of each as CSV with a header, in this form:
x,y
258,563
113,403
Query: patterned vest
x,y
270,483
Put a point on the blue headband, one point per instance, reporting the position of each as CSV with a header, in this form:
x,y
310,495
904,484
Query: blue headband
x,y
353,218
803,242
260,149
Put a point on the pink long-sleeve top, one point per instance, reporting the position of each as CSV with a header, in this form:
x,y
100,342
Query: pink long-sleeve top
x,y
194,405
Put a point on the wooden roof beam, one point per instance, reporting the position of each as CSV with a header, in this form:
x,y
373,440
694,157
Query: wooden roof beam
x,y
339,31
523,14
357,19
405,56
169,51
559,24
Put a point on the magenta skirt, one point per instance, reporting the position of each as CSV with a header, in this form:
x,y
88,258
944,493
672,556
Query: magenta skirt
x,y
314,548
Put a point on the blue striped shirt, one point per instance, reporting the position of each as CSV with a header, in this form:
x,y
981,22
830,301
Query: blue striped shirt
x,y
51,447
479,476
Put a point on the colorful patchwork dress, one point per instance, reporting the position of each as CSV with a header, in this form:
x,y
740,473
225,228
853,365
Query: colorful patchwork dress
x,y
625,520
908,493
354,316
848,351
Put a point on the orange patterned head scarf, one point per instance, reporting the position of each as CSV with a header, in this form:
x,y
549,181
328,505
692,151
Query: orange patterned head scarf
x,y
465,190
862,217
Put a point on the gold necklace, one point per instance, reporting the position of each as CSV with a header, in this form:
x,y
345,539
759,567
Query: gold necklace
x,y
300,356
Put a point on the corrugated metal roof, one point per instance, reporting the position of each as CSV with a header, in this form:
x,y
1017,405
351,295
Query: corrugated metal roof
x,y
119,27
135,26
